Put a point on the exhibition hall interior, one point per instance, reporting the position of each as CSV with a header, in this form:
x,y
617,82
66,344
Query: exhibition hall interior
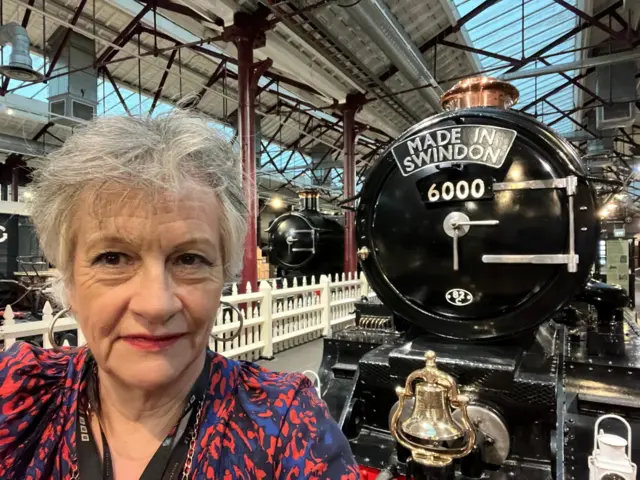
x,y
442,208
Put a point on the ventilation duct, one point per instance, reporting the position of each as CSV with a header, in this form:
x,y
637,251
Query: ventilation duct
x,y
383,28
73,93
617,84
596,147
20,66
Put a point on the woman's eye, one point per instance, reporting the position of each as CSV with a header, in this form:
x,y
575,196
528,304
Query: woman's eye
x,y
192,259
110,258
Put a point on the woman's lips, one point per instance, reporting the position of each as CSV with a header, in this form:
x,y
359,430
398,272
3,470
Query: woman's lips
x,y
152,343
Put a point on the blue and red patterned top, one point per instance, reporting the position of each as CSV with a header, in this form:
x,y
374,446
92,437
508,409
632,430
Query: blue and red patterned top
x,y
256,424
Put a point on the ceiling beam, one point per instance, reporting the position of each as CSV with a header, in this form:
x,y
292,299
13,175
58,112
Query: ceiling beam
x,y
65,39
165,74
592,20
443,34
124,36
560,87
563,38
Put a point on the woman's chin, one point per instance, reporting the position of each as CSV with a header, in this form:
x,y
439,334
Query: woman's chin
x,y
150,369
149,374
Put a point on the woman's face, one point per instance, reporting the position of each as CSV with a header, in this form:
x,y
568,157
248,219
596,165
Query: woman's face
x,y
147,279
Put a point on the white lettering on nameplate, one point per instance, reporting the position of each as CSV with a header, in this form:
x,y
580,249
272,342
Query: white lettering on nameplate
x,y
481,144
459,297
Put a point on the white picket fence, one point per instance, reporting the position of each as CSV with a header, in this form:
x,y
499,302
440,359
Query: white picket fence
x,y
275,319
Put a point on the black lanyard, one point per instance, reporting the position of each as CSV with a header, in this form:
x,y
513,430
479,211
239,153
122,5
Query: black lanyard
x,y
168,461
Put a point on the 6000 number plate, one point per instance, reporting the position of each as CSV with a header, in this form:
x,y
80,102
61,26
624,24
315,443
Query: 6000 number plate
x,y
457,190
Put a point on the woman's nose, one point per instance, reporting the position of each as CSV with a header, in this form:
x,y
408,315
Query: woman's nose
x,y
154,297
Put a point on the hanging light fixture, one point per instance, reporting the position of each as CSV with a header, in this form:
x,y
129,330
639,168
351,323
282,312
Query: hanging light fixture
x,y
20,66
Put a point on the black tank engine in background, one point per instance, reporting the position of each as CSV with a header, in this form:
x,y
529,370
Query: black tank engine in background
x,y
490,354
306,242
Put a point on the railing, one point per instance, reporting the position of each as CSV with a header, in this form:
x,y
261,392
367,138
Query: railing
x,y
275,319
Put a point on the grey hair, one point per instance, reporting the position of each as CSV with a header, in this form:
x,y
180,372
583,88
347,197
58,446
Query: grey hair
x,y
169,153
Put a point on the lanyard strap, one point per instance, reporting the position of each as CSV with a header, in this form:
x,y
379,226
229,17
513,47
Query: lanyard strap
x,y
166,463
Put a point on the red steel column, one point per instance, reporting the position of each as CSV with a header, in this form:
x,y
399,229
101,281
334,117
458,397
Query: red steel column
x,y
247,33
246,134
349,109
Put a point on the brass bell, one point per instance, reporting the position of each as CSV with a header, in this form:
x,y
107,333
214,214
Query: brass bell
x,y
430,433
431,417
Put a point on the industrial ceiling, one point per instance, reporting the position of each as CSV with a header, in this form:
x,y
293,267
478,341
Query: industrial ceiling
x,y
395,56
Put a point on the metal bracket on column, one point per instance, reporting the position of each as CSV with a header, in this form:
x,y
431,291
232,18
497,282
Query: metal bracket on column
x,y
259,69
354,102
247,27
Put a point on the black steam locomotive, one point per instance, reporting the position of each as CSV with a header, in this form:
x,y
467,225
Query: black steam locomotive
x,y
306,242
489,353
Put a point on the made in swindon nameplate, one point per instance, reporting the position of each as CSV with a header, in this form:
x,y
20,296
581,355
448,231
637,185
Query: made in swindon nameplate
x,y
480,144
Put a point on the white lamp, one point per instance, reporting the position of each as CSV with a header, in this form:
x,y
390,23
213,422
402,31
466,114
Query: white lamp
x,y
609,460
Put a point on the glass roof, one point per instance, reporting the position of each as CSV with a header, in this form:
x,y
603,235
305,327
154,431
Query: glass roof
x,y
499,28
513,28
109,104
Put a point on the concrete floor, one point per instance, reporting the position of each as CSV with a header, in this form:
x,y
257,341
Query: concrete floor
x,y
298,359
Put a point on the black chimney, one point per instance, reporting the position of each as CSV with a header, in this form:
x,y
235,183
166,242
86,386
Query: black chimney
x,y
309,199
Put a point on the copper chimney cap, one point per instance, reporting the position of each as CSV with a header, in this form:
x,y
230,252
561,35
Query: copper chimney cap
x,y
309,192
480,92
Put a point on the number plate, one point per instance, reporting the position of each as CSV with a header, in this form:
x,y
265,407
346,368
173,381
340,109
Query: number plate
x,y
463,190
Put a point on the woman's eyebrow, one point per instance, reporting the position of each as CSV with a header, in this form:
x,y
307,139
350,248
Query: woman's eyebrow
x,y
199,241
107,239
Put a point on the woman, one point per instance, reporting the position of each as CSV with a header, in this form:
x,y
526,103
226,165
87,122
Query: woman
x,y
145,218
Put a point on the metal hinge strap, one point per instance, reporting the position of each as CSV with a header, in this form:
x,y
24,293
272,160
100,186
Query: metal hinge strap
x,y
569,183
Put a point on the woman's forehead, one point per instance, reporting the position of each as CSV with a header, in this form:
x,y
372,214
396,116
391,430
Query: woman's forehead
x,y
110,201
131,213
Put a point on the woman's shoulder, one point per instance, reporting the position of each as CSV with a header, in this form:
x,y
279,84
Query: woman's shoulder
x,y
257,377
258,387
272,396
284,424
36,388
26,369
261,382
